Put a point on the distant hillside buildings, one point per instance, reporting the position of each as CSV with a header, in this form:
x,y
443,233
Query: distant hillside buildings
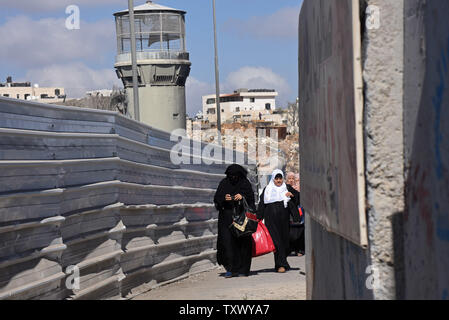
x,y
251,121
24,91
243,104
255,108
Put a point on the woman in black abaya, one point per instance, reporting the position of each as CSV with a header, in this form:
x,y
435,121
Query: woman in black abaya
x,y
275,206
296,227
233,253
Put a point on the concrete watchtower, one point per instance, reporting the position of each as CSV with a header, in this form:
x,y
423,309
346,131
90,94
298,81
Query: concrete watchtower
x,y
162,63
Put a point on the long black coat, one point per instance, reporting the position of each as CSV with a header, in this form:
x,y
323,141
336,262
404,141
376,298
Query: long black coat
x,y
234,254
297,243
277,221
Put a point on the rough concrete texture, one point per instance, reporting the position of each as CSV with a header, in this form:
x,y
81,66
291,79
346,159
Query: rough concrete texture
x,y
425,241
262,284
97,191
383,85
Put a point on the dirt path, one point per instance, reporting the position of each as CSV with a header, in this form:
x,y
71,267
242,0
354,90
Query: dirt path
x,y
262,284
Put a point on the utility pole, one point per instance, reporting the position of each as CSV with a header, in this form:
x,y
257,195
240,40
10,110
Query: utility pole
x,y
217,78
134,60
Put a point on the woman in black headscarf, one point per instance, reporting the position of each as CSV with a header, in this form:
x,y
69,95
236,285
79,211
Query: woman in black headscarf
x,y
233,253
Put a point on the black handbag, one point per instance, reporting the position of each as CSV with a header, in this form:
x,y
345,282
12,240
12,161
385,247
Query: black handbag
x,y
244,219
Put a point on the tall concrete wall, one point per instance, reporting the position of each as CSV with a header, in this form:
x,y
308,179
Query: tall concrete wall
x,y
97,191
329,88
425,238
405,72
383,86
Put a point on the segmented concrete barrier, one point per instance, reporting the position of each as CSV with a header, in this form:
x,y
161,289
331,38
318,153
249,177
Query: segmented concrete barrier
x,y
92,207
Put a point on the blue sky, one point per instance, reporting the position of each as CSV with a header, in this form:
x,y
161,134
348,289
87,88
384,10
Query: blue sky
x,y
257,43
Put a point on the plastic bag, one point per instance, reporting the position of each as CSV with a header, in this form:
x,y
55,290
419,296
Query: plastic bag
x,y
262,242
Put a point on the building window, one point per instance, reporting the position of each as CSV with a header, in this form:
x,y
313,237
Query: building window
x,y
252,99
26,96
6,95
237,109
44,96
267,106
18,96
211,111
57,92
210,101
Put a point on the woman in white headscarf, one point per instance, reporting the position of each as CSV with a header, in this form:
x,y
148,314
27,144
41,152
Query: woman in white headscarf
x,y
277,203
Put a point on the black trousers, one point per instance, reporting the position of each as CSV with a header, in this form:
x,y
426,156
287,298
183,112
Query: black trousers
x,y
297,243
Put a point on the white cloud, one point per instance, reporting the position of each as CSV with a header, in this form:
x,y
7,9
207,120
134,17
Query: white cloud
x,y
259,78
36,6
33,43
195,89
281,24
76,78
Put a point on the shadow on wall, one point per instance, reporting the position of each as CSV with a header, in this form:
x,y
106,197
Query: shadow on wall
x,y
397,225
426,128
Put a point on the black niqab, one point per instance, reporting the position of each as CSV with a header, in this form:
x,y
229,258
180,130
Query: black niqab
x,y
234,183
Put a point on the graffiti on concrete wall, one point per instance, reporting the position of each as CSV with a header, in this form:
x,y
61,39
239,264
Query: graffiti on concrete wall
x,y
426,219
330,91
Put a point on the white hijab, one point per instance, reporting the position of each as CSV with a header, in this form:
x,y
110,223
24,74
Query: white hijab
x,y
274,193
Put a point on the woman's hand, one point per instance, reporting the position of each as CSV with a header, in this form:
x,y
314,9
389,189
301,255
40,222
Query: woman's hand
x,y
238,197
289,194
228,197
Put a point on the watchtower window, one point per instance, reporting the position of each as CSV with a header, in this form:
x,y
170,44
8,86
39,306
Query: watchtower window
x,y
164,78
154,32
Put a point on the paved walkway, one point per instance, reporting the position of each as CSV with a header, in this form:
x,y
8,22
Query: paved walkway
x,y
262,284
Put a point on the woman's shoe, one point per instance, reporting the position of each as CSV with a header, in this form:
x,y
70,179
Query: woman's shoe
x,y
281,270
228,274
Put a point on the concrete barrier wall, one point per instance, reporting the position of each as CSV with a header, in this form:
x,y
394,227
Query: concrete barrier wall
x,y
424,240
405,71
94,193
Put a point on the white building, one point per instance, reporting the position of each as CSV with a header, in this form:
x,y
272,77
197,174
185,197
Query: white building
x,y
243,104
99,93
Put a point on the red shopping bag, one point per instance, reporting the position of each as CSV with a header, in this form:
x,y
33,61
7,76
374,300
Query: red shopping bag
x,y
262,242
